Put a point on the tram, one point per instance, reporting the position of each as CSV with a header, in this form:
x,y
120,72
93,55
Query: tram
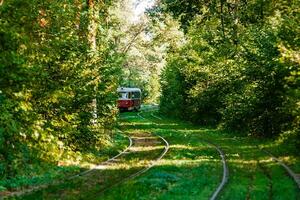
x,y
129,99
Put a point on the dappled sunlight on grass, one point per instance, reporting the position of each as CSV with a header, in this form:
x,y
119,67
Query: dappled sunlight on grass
x,y
138,137
249,162
180,146
188,162
135,123
269,144
123,165
136,149
126,165
191,169
103,176
288,159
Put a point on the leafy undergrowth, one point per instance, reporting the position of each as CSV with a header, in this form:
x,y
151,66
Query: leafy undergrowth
x,y
45,173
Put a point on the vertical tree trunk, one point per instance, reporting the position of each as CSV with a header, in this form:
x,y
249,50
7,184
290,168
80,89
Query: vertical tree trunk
x,y
236,22
222,18
93,17
78,4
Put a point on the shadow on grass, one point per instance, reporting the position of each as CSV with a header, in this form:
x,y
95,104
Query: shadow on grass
x,y
252,173
83,187
191,170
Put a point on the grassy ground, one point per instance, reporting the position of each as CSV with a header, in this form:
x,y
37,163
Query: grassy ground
x,y
46,173
192,169
92,185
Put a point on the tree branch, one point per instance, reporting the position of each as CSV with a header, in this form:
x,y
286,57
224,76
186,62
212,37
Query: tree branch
x,y
128,46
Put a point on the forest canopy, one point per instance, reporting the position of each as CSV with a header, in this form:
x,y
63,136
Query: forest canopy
x,y
239,68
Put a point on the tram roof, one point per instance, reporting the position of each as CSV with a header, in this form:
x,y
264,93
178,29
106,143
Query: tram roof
x,y
126,89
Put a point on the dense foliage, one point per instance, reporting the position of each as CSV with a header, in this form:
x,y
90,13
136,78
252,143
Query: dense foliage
x,y
239,67
57,59
236,65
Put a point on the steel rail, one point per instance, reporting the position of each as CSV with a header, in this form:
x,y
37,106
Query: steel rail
x,y
155,116
127,117
39,187
105,162
139,114
166,148
225,175
140,172
292,174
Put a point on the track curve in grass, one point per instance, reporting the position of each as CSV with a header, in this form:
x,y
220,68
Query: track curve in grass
x,y
291,173
40,187
225,175
142,171
102,163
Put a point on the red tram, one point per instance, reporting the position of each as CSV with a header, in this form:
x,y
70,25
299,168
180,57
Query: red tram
x,y
129,98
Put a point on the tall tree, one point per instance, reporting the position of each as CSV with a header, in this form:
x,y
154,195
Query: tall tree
x,y
230,71
54,62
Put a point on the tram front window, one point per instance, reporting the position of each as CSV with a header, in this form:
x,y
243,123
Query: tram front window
x,y
123,95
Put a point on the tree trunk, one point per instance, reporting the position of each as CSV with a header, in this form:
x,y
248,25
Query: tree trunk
x,y
93,17
235,22
222,18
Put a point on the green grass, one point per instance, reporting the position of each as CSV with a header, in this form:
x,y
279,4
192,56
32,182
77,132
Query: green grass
x,y
91,185
46,173
192,168
195,168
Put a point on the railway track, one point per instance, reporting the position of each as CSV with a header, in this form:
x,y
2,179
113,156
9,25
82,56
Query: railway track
x,y
40,187
140,172
139,141
225,175
294,176
148,140
90,178
105,162
291,173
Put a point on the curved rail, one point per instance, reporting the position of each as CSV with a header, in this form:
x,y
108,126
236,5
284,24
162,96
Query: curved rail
x,y
140,172
139,114
155,116
127,117
36,188
166,148
105,162
287,168
225,176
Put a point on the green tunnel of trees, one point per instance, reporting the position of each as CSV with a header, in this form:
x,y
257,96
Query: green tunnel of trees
x,y
231,63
